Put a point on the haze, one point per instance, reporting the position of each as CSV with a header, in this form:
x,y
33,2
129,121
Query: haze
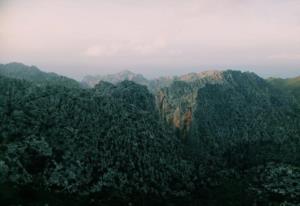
x,y
154,37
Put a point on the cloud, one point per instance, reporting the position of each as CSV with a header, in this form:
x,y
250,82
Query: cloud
x,y
92,51
132,47
104,50
151,47
129,33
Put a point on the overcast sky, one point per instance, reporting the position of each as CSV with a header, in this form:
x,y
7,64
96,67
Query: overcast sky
x,y
152,37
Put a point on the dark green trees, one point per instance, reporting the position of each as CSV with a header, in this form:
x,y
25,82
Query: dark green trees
x,y
89,141
249,115
290,85
33,74
61,143
241,126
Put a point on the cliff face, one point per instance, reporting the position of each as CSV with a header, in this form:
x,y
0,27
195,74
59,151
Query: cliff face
x,y
178,97
177,101
175,96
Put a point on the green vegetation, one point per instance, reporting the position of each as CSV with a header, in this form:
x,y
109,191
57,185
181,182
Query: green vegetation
x,y
66,140
33,74
291,85
114,144
243,126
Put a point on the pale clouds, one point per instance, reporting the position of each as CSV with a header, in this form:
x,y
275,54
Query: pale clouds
x,y
111,35
129,48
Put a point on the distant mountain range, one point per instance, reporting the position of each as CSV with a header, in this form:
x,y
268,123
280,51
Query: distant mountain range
x,y
152,84
115,78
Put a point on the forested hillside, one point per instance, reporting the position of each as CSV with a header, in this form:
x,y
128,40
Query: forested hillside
x,y
239,131
215,138
76,141
33,74
248,134
291,85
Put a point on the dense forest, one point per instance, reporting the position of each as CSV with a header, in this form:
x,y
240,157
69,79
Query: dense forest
x,y
291,85
216,138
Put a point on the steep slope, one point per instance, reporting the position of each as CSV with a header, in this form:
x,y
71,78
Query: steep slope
x,y
115,78
177,101
96,141
175,96
244,138
247,121
291,85
33,74
237,127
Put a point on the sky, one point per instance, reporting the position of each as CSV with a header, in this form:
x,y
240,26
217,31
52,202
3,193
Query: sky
x,y
152,37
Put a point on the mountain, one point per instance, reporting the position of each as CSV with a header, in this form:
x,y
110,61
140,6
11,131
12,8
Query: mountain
x,y
176,101
175,96
33,74
212,101
209,138
153,84
291,85
107,141
246,109
115,78
241,122
137,95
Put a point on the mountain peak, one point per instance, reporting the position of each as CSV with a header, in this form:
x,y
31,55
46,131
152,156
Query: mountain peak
x,y
116,78
128,75
127,72
214,74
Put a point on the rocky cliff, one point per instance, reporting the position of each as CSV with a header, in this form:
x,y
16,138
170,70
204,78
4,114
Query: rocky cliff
x,y
177,101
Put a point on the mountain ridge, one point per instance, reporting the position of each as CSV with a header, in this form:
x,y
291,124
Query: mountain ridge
x,y
92,80
114,78
175,97
34,74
